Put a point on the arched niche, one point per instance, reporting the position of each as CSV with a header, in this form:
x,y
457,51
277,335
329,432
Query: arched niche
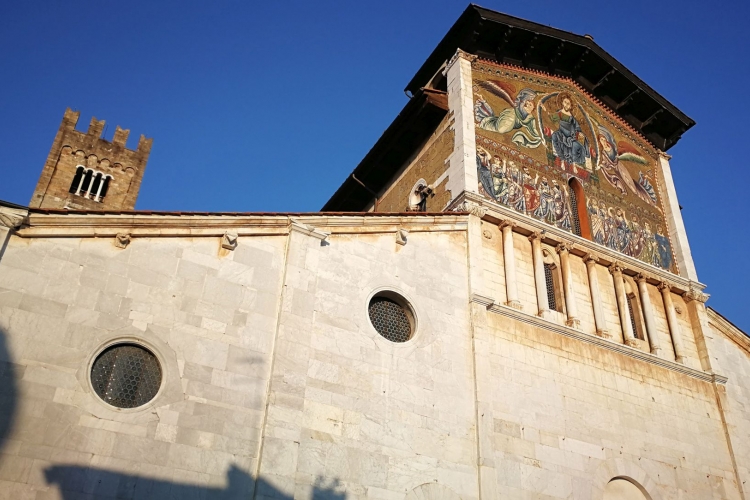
x,y
578,207
621,488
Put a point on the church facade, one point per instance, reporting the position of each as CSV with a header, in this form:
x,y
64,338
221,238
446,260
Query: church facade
x,y
499,302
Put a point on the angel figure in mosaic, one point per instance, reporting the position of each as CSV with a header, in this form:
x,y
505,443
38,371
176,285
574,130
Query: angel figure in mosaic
x,y
519,118
611,157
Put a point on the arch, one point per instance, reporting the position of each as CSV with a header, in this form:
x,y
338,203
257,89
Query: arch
x,y
75,184
580,216
623,469
624,488
432,491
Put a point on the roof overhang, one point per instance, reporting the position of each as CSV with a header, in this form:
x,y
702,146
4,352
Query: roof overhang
x,y
507,39
411,128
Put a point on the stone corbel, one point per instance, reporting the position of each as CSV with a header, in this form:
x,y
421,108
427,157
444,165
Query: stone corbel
x,y
460,54
122,240
11,221
229,240
401,236
308,230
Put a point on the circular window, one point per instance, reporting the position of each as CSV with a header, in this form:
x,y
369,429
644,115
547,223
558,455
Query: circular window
x,y
391,317
126,375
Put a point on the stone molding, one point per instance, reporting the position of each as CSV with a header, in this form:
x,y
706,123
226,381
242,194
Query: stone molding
x,y
603,342
622,468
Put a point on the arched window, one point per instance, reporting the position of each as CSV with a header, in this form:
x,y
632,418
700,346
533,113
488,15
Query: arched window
x,y
579,215
90,183
553,281
76,180
634,308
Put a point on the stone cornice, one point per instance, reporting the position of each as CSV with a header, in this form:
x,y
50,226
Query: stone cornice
x,y
598,341
11,217
41,225
553,236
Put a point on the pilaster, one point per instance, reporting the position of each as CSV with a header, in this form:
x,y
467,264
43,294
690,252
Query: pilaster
x,y
462,169
563,250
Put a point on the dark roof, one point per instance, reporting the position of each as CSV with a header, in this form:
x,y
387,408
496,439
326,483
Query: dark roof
x,y
411,128
511,40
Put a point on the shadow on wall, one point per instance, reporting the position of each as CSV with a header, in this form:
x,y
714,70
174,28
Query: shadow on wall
x,y
9,374
75,482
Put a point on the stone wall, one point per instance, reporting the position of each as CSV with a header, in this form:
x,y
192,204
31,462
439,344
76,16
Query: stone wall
x,y
430,165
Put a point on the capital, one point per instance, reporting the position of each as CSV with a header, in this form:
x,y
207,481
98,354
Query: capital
x,y
664,287
563,247
590,259
695,295
664,155
615,268
641,278
507,224
460,54
477,210
535,236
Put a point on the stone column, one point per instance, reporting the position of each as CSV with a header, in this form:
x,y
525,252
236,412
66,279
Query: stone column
x,y
567,278
695,301
539,279
99,189
674,326
596,299
648,315
622,305
509,258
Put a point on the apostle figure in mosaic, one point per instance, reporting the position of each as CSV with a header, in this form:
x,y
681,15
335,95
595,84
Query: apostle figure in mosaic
x,y
663,249
516,198
637,242
560,203
622,231
610,232
484,174
519,118
649,245
545,211
597,220
500,179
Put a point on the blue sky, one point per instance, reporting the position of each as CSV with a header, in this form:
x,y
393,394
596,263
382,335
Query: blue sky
x,y
267,106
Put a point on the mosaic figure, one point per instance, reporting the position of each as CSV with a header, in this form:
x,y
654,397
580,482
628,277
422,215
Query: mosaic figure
x,y
611,156
484,174
519,118
568,142
663,250
560,203
545,211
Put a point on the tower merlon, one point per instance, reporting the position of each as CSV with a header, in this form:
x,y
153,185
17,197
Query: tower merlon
x,y
144,144
121,136
96,127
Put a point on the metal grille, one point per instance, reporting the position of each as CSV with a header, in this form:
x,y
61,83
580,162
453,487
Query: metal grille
x,y
549,280
632,318
126,376
389,319
574,212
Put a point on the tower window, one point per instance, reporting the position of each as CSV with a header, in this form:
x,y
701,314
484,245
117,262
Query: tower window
x,y
579,216
76,180
550,282
633,322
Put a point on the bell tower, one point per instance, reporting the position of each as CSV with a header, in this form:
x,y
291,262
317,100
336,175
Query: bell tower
x,y
86,172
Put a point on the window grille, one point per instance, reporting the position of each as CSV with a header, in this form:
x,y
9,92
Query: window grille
x,y
390,319
633,323
574,211
550,282
126,376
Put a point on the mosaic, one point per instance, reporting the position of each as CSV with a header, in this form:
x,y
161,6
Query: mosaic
x,y
535,134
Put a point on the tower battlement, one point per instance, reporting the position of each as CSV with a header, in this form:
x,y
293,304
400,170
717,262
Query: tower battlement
x,y
84,170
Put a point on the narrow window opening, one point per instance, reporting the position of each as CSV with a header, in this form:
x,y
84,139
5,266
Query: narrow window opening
x,y
550,282
86,183
579,215
637,332
76,180
95,185
104,188
574,211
